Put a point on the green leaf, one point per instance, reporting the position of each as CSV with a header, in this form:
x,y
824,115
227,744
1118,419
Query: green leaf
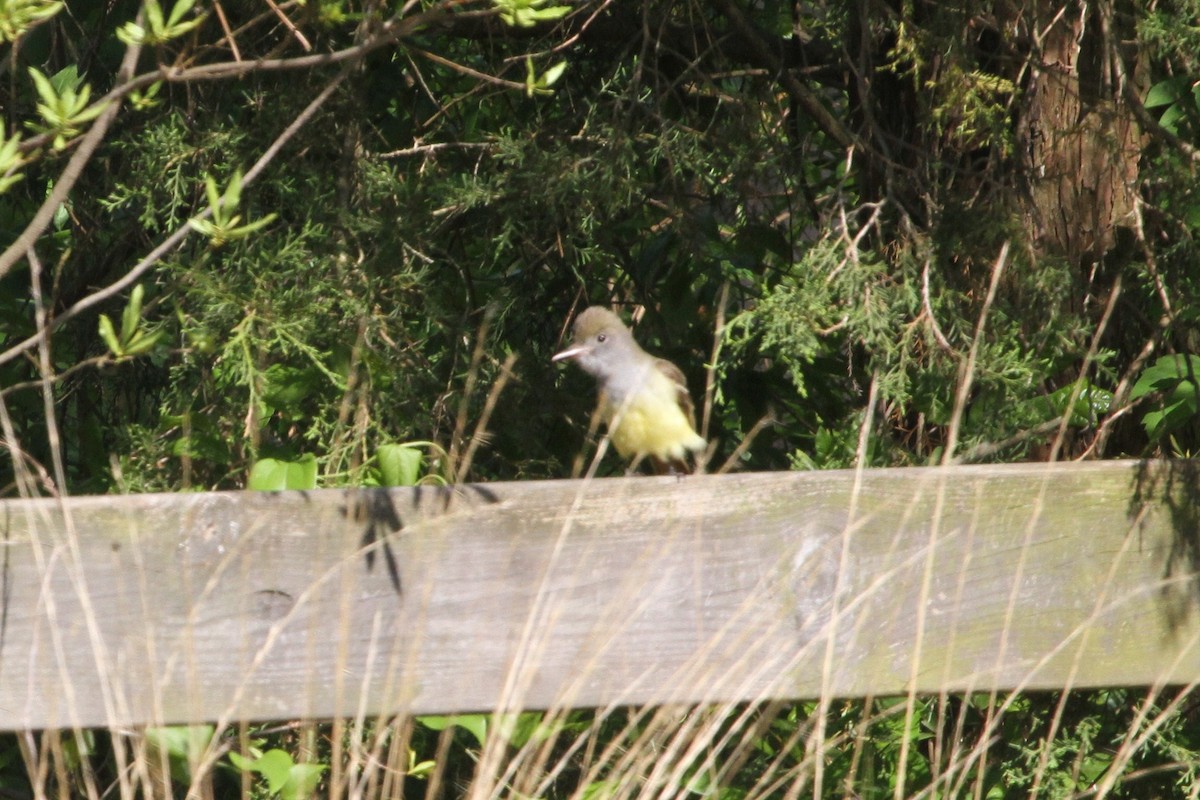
x,y
1092,403
551,76
214,194
302,779
1173,116
64,104
42,84
476,724
131,34
275,765
286,778
275,475
17,16
144,100
233,193
418,769
1165,373
132,314
109,335
158,30
223,226
286,387
1164,93
143,342
399,464
181,741
154,14
67,80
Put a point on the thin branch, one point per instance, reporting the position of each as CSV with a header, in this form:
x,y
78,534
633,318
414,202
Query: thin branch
x,y
460,421
233,48
1088,359
480,434
46,367
766,421
465,70
387,33
987,449
967,371
938,336
710,384
434,147
287,23
71,172
176,238
801,94
94,361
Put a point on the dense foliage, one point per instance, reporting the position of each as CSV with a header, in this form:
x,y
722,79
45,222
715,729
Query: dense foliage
x,y
247,232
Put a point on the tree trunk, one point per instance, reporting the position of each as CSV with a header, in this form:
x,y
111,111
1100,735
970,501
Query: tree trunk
x,y
1080,141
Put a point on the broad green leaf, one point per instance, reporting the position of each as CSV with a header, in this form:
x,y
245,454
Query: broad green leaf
x,y
214,194
400,464
1164,373
154,15
275,765
1164,93
1173,116
181,741
66,80
476,724
276,475
302,779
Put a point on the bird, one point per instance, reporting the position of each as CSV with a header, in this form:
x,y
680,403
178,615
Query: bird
x,y
643,399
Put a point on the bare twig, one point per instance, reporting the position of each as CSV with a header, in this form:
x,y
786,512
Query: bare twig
x,y
966,375
489,405
233,48
465,70
287,23
458,436
434,147
176,238
71,172
926,302
46,367
766,421
710,373
1089,357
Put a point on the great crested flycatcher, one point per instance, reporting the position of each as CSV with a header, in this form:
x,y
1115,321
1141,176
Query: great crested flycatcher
x,y
644,400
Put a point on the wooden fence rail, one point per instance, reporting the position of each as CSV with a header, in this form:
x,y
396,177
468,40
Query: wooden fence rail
x,y
158,609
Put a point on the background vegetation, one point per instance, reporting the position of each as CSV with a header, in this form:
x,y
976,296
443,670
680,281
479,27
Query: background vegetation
x,y
246,232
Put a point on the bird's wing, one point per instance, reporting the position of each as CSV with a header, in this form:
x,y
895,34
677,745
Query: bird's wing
x,y
682,396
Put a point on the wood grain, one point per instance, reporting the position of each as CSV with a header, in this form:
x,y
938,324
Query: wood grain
x,y
160,609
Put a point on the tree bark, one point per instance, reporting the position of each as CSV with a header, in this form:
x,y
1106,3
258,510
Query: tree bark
x,y
1080,140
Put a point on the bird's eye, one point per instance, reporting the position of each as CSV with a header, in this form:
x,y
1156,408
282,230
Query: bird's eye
x,y
600,337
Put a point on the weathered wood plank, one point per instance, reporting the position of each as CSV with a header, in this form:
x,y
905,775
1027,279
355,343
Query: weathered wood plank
x,y
172,608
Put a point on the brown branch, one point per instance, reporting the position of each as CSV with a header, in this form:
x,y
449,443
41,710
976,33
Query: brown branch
x,y
176,238
287,23
465,70
71,172
799,92
233,48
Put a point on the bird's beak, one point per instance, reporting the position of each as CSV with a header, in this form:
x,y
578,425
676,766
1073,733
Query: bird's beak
x,y
569,353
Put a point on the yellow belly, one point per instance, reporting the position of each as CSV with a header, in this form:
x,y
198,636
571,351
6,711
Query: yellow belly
x,y
652,425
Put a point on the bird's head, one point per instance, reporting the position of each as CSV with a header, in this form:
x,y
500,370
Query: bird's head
x,y
601,344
